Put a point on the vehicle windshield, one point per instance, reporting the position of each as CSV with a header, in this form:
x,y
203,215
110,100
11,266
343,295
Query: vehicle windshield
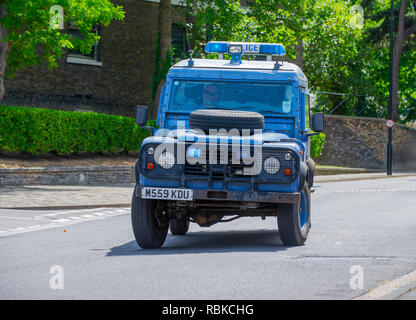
x,y
187,96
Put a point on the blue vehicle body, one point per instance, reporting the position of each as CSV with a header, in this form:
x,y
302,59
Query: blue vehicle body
x,y
266,171
280,131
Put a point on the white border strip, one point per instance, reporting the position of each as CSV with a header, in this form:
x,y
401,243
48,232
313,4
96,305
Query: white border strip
x,y
388,288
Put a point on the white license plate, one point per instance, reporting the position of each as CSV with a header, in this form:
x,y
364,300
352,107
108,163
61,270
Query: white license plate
x,y
167,193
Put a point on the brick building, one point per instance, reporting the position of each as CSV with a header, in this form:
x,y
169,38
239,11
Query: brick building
x,y
113,79
116,76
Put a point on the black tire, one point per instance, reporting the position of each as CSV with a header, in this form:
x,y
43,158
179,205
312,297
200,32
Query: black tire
x,y
311,171
289,220
206,119
148,232
179,227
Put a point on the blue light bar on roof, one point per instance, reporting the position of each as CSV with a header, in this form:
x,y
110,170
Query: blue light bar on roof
x,y
275,49
216,47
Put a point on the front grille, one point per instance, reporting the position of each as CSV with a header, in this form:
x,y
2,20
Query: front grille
x,y
230,171
237,170
218,170
203,170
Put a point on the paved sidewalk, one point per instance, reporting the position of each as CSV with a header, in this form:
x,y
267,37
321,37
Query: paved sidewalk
x,y
65,197
69,197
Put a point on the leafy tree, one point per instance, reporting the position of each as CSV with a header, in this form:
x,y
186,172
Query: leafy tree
x,y
378,35
331,59
31,31
281,21
339,54
330,36
212,20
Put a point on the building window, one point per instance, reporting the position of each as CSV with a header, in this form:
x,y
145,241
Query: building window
x,y
76,56
173,2
179,42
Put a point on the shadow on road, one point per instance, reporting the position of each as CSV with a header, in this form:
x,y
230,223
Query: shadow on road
x,y
209,242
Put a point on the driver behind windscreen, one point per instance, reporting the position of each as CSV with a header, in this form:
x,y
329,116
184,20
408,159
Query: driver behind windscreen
x,y
210,96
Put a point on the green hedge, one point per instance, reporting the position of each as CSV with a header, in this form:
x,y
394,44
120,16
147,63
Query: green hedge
x,y
317,144
40,131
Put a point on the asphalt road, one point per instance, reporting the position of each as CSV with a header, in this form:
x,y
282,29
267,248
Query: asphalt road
x,y
366,225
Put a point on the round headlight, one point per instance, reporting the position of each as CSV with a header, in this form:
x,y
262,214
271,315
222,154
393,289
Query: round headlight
x,y
271,165
166,160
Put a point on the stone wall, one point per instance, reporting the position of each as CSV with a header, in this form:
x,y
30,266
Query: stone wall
x,y
359,142
67,176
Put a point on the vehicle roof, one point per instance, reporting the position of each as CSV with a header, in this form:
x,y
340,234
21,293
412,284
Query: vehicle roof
x,y
285,70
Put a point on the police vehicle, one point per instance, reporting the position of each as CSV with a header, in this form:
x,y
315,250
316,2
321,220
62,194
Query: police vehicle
x,y
233,141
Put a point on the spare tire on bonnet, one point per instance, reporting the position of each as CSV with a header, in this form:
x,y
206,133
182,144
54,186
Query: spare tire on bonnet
x,y
206,119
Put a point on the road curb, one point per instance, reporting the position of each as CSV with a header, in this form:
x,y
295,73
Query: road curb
x,y
328,170
339,178
88,206
392,289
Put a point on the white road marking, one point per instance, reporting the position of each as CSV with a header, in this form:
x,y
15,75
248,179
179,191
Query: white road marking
x,y
388,288
99,214
120,210
69,212
374,190
62,220
17,229
21,218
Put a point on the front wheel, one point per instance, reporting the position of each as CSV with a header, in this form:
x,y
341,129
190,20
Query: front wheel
x,y
149,226
294,220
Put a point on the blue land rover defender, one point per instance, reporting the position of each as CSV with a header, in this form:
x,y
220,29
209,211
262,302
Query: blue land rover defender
x,y
233,140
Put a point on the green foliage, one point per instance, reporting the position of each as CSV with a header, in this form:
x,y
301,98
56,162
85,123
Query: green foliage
x,y
32,39
40,131
317,144
375,52
331,47
214,20
338,55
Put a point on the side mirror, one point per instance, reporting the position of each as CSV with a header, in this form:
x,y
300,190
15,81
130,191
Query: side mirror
x,y
141,115
318,122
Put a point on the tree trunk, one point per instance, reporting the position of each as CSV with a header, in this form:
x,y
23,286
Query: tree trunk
x,y
194,11
165,31
4,53
397,53
165,27
402,36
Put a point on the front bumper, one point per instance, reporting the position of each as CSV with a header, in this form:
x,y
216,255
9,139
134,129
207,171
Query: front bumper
x,y
243,196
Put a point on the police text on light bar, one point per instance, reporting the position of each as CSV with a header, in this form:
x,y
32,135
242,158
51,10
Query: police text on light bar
x,y
274,49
